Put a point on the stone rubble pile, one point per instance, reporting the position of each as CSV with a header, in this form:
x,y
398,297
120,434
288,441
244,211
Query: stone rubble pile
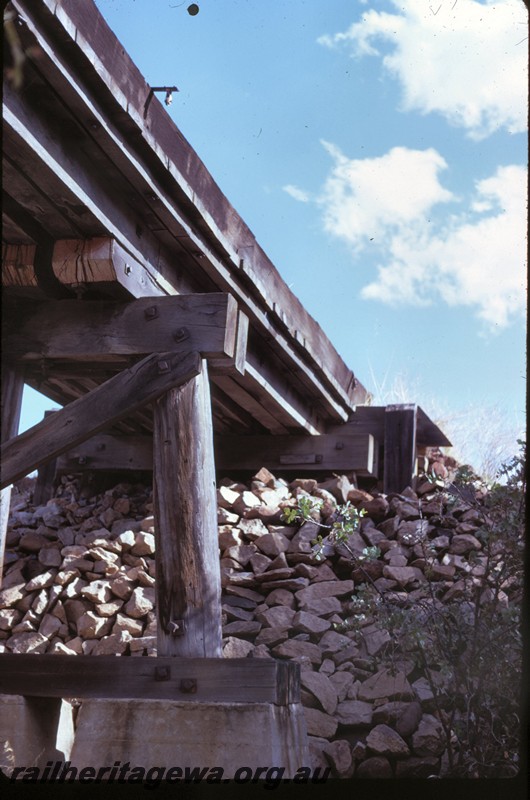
x,y
79,579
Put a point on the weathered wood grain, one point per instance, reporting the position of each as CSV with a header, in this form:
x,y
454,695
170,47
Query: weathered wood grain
x,y
234,680
97,330
399,447
126,392
347,452
188,579
107,452
18,267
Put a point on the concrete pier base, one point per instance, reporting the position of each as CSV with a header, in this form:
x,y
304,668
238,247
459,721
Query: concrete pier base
x,y
164,733
33,731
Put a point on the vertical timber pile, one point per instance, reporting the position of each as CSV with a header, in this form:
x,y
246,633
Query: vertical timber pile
x,y
400,447
188,578
12,388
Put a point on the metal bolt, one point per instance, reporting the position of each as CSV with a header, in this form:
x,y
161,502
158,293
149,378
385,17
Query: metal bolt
x,y
188,685
163,366
339,446
151,312
319,459
162,673
82,460
181,334
127,269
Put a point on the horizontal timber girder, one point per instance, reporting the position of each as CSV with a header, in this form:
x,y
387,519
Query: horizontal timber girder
x,y
231,680
348,452
94,330
115,399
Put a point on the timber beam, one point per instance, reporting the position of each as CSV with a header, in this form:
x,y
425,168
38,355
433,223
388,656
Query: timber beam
x,y
100,331
115,399
233,680
331,452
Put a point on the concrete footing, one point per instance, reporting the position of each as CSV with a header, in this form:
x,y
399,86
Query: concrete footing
x,y
172,734
34,731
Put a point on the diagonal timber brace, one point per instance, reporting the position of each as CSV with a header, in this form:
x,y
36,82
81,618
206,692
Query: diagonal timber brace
x,y
118,397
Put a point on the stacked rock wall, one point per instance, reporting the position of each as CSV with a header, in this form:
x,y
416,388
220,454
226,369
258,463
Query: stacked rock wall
x,y
79,578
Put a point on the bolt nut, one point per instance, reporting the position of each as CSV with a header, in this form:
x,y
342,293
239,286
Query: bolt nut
x,y
163,366
180,334
162,673
151,312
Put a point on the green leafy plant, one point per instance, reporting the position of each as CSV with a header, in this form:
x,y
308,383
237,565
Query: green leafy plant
x,y
464,638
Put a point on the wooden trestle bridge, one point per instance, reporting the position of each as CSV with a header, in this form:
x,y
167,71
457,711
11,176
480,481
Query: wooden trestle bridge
x,y
137,298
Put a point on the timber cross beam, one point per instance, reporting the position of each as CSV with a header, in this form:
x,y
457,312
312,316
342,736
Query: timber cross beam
x,y
198,680
103,330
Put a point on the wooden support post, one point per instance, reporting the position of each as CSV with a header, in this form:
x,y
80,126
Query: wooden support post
x,y
400,447
12,389
188,581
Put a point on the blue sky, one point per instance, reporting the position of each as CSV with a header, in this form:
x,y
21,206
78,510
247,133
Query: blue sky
x,y
378,151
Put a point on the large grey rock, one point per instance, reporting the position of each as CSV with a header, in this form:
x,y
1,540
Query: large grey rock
x,y
324,607
30,642
90,626
140,602
41,581
403,575
339,755
322,689
12,595
237,648
385,684
384,741
97,591
133,627
319,723
295,649
272,544
310,623
464,543
277,617
144,544
122,586
342,682
332,642
353,713
429,739
50,556
114,644
324,589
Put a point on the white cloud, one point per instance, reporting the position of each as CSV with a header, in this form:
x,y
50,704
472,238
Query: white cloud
x,y
298,194
466,60
362,198
471,261
474,258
